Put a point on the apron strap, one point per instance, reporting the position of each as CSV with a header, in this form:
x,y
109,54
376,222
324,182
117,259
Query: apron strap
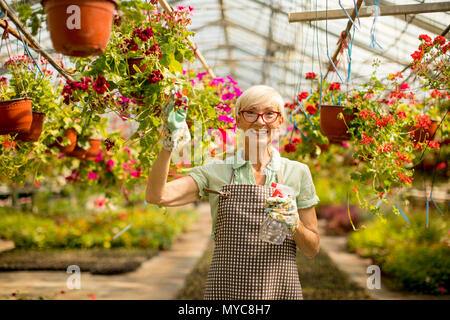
x,y
232,176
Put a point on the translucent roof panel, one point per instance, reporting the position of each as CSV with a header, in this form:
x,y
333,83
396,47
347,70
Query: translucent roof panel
x,y
261,46
254,42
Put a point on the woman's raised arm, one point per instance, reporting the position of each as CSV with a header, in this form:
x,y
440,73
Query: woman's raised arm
x,y
172,194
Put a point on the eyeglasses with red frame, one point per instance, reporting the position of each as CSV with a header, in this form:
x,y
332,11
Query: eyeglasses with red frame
x,y
268,117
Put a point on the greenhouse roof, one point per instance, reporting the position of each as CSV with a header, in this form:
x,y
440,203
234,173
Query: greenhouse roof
x,y
253,41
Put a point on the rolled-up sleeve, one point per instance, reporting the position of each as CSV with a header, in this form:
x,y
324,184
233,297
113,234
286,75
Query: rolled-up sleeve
x,y
200,176
307,196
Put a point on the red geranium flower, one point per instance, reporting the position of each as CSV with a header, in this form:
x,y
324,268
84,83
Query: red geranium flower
x,y
405,178
155,76
440,40
100,85
290,147
423,121
425,38
366,139
436,94
366,113
311,109
417,55
334,86
433,145
303,95
401,114
311,75
296,140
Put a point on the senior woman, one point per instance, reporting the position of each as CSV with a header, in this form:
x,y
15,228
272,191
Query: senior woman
x,y
243,266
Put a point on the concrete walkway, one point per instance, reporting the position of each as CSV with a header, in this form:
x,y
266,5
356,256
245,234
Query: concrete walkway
x,y
356,267
161,277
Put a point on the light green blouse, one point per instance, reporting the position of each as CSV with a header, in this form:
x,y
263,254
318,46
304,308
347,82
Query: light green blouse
x,y
215,174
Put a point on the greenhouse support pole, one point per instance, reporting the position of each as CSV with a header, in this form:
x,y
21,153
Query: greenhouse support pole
x,y
193,46
34,44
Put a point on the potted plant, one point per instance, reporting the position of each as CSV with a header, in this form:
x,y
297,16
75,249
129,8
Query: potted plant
x,y
34,80
15,110
79,28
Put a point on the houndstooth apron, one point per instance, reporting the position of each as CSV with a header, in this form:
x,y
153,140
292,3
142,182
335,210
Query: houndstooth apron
x,y
243,266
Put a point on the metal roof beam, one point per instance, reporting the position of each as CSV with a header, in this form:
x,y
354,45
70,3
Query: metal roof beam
x,y
269,51
227,38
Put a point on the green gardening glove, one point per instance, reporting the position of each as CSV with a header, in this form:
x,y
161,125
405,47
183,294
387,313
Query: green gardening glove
x,y
175,131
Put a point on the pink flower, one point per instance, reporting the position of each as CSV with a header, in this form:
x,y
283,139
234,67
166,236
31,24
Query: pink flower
x,y
345,144
237,91
231,80
228,96
126,166
226,119
217,81
100,202
109,165
201,75
92,175
404,86
99,157
136,174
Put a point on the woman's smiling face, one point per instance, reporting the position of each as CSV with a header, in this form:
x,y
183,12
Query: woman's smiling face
x,y
260,131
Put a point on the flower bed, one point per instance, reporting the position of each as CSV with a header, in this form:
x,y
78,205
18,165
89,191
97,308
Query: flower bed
x,y
414,257
151,228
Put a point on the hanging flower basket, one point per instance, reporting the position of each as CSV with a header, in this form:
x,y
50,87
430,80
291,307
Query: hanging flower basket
x,y
77,152
136,62
333,127
94,150
89,154
35,130
15,116
70,134
420,134
142,67
79,28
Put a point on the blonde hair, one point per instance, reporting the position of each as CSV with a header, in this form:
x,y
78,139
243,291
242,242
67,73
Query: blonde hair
x,y
260,94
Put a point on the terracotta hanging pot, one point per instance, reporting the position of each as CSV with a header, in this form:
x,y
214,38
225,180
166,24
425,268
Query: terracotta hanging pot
x,y
420,134
79,28
71,134
137,62
94,150
332,127
15,116
77,152
35,130
142,67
